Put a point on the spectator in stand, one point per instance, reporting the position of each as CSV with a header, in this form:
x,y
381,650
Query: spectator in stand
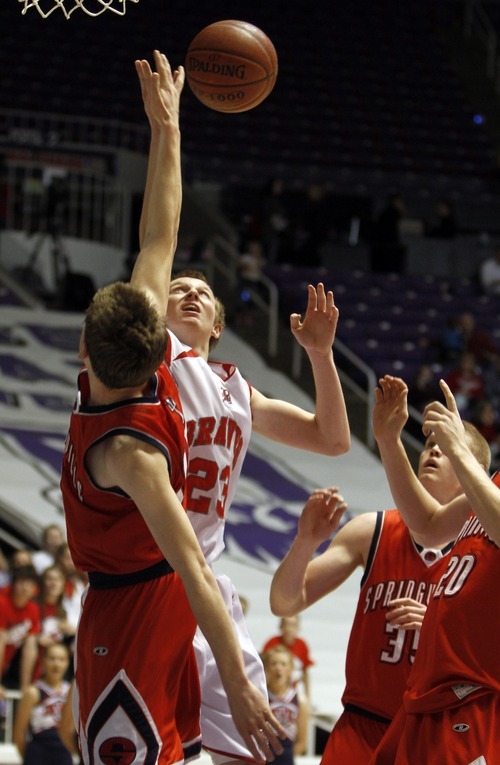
x,y
387,249
289,637
466,382
250,264
446,226
20,558
39,712
476,340
489,273
317,225
289,707
423,388
54,624
486,419
76,581
52,538
491,377
451,342
19,627
274,221
446,345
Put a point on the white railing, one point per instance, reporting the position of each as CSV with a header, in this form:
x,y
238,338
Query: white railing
x,y
49,130
91,207
10,698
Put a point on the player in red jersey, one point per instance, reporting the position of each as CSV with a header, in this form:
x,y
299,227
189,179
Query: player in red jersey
x,y
451,706
396,584
137,690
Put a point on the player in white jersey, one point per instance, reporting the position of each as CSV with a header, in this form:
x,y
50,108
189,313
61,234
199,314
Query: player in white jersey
x,y
218,416
221,409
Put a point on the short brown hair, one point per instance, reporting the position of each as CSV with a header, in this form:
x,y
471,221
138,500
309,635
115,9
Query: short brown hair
x,y
220,311
23,573
125,336
478,445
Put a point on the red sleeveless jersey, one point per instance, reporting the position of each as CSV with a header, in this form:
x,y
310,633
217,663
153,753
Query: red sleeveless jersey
x,y
106,532
380,656
459,653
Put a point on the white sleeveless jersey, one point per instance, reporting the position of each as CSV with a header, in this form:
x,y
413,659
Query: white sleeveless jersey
x,y
216,404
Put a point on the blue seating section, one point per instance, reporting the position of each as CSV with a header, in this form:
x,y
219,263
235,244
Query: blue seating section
x,y
387,319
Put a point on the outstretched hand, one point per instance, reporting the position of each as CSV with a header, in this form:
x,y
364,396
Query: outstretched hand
x,y
444,421
161,90
317,332
390,412
321,515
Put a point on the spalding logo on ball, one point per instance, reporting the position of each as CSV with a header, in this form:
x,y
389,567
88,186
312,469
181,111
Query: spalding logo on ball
x,y
231,66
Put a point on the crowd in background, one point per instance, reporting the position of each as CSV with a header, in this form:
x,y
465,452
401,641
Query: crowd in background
x,y
39,609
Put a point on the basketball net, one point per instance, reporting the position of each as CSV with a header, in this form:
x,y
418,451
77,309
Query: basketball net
x,y
90,7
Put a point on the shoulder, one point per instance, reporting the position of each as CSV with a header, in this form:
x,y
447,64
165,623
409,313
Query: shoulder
x,y
119,456
123,448
354,540
359,528
32,695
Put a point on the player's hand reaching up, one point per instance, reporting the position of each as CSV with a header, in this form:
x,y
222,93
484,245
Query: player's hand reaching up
x,y
444,421
161,90
321,516
317,332
390,412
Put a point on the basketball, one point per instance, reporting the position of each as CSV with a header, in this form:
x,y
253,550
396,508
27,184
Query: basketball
x,y
231,66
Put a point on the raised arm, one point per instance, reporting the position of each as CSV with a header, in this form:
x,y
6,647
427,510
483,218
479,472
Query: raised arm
x,y
326,431
161,209
142,472
434,523
480,491
301,580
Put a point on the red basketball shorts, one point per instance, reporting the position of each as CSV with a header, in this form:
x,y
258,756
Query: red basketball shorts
x,y
137,684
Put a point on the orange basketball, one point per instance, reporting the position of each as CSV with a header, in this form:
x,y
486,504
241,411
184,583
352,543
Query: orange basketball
x,y
231,66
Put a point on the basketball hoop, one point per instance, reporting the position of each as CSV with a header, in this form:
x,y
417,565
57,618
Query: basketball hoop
x,y
90,7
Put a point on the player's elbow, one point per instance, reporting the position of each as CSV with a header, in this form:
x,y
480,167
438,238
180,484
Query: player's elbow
x,y
344,444
280,607
337,446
